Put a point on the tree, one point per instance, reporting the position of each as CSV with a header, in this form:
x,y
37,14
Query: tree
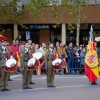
x,y
9,12
78,7
38,7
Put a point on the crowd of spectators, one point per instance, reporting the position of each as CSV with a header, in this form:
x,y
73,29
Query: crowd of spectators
x,y
63,50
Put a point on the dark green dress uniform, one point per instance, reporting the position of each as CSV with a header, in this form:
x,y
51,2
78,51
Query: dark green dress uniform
x,y
25,56
48,65
4,75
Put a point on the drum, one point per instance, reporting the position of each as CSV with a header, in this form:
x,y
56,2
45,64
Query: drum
x,y
11,65
38,56
33,64
57,64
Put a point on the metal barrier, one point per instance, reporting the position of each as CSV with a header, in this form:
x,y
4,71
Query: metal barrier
x,y
74,64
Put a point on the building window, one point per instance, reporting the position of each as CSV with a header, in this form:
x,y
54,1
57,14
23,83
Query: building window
x,y
94,2
59,2
97,1
53,2
55,36
24,1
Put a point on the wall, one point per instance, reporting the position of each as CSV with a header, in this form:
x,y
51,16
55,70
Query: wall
x,y
92,12
8,34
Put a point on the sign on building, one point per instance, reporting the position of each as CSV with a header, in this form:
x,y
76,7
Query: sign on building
x,y
27,35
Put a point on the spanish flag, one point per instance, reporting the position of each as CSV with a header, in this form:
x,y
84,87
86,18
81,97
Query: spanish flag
x,y
18,59
91,61
39,68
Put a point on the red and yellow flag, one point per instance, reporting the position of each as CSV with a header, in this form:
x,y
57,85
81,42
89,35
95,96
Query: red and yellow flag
x,y
91,62
39,68
18,58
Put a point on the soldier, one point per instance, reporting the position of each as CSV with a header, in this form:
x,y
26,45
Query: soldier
x,y
31,47
25,56
4,75
9,53
48,66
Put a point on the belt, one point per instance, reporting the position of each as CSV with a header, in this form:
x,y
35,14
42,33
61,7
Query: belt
x,y
49,59
25,60
2,58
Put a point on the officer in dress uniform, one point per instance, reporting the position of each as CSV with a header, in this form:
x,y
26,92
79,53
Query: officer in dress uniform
x,y
25,56
4,75
50,72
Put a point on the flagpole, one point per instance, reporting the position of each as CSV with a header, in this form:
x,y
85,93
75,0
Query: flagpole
x,y
91,36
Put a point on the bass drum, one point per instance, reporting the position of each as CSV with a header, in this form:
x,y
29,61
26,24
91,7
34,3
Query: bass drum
x,y
38,56
33,64
11,65
57,64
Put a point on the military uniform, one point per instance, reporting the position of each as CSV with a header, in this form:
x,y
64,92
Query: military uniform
x,y
4,75
48,65
31,52
25,56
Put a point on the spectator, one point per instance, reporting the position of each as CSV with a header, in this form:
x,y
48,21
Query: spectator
x,y
17,42
86,48
71,53
77,62
18,38
41,47
14,47
83,45
82,60
33,47
58,49
98,51
30,44
8,47
63,50
75,48
44,53
63,55
21,46
66,47
80,49
37,48
70,50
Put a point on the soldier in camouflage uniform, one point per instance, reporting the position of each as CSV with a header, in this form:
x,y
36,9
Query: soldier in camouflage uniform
x,y
4,74
25,56
48,66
